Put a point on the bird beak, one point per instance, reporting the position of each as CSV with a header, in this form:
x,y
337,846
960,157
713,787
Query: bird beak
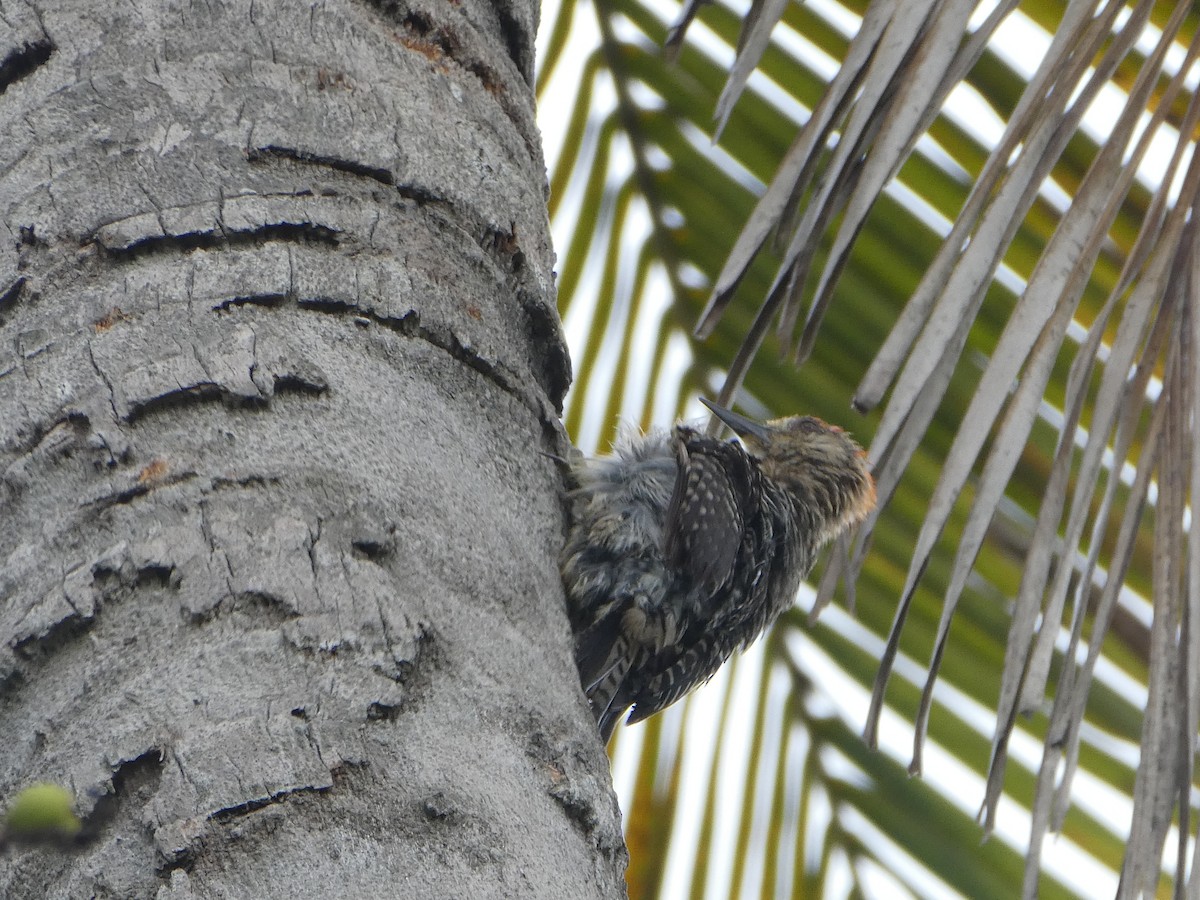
x,y
741,426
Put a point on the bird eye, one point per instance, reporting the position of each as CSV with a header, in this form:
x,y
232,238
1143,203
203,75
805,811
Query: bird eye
x,y
809,425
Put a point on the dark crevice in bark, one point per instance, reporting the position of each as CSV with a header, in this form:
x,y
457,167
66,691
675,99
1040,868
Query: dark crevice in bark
x,y
301,379
545,335
452,345
438,807
31,436
416,674
577,805
256,481
410,325
38,648
504,247
11,681
516,39
156,576
336,307
541,325
428,33
413,673
383,176
372,549
186,396
24,61
243,809
378,711
251,300
419,195
134,783
105,380
144,771
9,297
218,240
569,776
439,42
311,546
262,608
293,383
113,580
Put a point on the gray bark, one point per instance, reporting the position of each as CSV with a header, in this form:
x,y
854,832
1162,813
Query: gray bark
x,y
279,374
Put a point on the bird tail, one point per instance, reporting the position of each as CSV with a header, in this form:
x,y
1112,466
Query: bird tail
x,y
596,648
693,669
607,720
602,654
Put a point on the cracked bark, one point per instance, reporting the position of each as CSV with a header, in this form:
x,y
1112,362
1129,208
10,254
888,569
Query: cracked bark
x,y
279,374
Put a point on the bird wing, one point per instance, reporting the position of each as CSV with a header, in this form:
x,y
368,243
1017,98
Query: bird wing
x,y
721,538
707,513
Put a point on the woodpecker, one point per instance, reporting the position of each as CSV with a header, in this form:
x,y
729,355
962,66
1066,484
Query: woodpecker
x,y
684,548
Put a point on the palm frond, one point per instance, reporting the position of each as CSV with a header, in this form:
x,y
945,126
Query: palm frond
x,y
1015,312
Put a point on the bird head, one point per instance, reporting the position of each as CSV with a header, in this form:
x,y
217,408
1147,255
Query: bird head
x,y
814,460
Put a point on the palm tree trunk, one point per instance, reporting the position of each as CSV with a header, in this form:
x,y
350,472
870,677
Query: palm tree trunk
x,y
279,375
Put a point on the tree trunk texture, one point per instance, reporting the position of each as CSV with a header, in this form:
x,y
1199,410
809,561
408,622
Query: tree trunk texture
x,y
279,378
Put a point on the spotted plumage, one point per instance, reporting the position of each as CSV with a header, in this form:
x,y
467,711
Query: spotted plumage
x,y
685,548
